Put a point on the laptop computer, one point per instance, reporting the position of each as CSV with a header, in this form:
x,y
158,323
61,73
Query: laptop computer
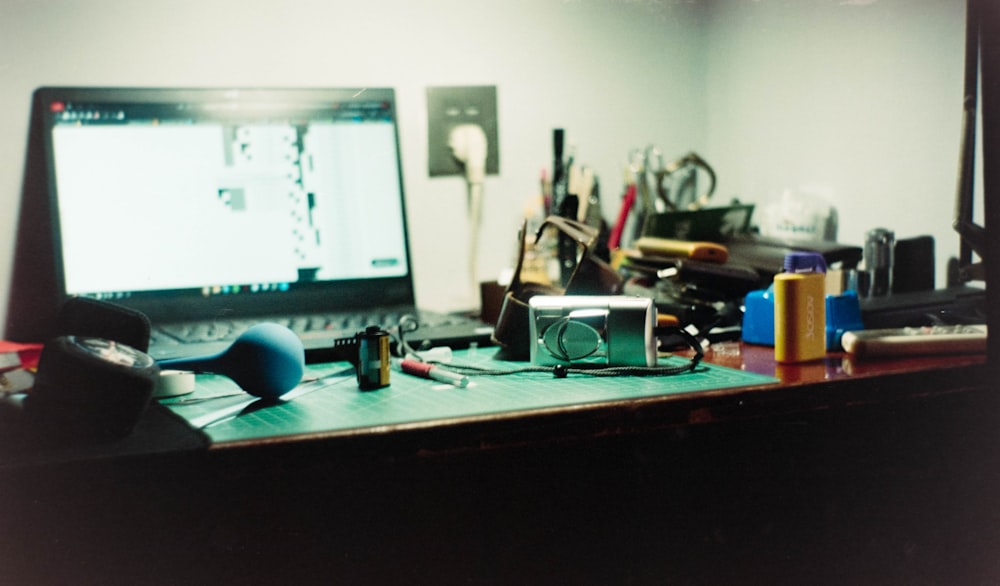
x,y
213,209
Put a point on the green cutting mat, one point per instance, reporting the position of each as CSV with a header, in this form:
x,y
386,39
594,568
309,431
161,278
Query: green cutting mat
x,y
334,403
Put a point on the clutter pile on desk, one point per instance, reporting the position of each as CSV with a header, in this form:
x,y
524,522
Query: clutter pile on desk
x,y
587,300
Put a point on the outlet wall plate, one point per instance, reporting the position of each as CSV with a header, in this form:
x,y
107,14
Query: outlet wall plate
x,y
450,106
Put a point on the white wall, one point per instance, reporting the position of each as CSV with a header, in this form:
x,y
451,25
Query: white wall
x,y
773,93
857,99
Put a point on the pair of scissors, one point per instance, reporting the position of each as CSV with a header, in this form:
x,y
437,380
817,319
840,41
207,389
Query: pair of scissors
x,y
684,195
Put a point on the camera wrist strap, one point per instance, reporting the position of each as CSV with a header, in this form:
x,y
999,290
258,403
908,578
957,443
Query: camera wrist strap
x,y
563,370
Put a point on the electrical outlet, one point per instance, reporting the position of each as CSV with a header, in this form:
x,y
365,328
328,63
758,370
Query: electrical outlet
x,y
448,107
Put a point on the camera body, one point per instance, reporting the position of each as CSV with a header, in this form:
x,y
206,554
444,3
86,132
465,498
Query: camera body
x,y
585,329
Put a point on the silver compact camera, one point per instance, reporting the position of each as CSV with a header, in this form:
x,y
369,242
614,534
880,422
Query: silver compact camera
x,y
582,329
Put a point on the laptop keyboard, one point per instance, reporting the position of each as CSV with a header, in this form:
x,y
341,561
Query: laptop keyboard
x,y
306,327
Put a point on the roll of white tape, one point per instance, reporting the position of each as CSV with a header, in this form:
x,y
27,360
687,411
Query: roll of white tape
x,y
173,383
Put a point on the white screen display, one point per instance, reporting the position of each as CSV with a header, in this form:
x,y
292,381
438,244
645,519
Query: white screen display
x,y
153,206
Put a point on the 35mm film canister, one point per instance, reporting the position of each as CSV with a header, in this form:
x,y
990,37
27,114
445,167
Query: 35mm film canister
x,y
373,358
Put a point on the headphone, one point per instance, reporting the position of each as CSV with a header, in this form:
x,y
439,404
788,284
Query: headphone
x,y
95,379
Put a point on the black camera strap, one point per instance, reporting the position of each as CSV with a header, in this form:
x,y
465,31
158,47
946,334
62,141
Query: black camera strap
x,y
563,370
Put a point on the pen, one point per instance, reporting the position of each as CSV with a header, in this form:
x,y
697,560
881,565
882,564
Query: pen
x,y
558,170
628,202
431,371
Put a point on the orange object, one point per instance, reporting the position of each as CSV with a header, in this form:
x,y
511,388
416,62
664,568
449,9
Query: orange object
x,y
666,320
694,250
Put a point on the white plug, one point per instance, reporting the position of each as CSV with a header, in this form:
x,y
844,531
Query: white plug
x,y
468,145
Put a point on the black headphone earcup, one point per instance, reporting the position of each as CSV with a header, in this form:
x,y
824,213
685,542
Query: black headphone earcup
x,y
90,388
82,316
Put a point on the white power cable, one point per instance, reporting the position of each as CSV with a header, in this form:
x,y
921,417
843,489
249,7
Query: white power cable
x,y
468,145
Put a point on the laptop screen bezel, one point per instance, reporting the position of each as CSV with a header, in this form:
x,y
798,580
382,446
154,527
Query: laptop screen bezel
x,y
181,305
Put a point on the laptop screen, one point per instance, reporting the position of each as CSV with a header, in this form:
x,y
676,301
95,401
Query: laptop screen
x,y
188,203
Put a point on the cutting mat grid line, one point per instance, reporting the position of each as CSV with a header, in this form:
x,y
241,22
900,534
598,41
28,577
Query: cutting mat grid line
x,y
340,405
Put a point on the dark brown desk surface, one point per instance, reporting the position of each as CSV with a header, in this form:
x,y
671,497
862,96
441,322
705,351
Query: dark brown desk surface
x,y
847,472
835,381
836,365
839,379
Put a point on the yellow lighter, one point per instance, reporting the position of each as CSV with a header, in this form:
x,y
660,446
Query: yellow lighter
x,y
800,309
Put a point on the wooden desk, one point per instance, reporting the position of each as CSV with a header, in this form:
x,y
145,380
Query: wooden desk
x,y
496,410
877,472
836,366
839,380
